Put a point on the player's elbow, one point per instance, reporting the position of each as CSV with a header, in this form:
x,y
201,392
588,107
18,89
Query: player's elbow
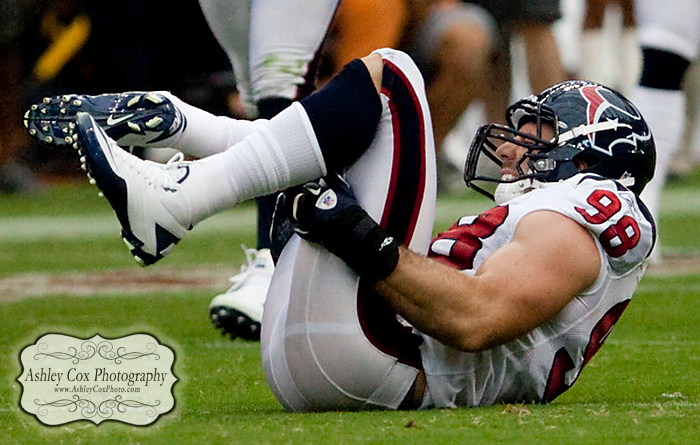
x,y
465,331
471,339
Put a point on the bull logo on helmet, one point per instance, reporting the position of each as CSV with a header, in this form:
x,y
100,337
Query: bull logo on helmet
x,y
603,126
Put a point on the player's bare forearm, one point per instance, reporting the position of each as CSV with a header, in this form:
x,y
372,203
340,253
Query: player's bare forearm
x,y
436,299
518,288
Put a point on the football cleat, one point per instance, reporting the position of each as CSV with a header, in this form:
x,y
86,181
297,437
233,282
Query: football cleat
x,y
238,311
131,119
137,190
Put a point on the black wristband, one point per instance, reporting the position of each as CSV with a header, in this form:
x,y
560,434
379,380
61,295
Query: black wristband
x,y
366,248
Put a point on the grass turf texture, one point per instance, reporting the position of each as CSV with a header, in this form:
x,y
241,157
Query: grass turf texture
x,y
642,386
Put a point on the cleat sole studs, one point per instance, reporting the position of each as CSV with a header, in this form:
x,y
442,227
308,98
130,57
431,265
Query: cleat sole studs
x,y
154,98
154,122
133,101
128,244
167,250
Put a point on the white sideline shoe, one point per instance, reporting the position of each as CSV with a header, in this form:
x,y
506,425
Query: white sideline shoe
x,y
142,193
238,311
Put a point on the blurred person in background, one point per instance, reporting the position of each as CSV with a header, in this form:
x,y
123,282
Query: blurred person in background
x,y
451,42
669,35
609,54
532,21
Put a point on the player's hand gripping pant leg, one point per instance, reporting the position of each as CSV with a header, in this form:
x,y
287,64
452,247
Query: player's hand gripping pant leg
x,y
328,341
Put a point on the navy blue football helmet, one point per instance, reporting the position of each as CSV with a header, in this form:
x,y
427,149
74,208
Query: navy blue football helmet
x,y
594,127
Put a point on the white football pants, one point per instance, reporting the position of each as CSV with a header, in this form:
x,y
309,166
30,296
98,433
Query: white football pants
x,y
328,341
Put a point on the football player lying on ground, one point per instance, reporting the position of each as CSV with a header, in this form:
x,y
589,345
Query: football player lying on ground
x,y
504,307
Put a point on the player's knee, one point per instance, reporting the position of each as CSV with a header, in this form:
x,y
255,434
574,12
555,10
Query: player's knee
x,y
662,69
397,57
374,65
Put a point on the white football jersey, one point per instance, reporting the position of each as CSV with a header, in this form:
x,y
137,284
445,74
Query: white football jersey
x,y
539,366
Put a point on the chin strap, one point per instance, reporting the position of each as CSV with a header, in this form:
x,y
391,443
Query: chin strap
x,y
627,180
506,191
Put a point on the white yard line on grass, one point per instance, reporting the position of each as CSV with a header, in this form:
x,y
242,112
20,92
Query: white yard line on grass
x,y
18,229
40,228
117,282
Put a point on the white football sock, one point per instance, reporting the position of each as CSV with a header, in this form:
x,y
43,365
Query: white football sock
x,y
630,61
205,134
282,152
595,56
664,112
695,141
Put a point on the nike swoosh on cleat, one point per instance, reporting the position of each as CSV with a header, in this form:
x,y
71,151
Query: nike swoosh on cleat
x,y
112,121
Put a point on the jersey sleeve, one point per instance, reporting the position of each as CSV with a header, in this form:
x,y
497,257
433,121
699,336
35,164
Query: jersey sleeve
x,y
611,213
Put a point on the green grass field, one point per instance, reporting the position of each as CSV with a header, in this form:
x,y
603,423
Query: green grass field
x,y
642,387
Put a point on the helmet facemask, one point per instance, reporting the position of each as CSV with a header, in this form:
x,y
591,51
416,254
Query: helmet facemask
x,y
483,169
595,130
